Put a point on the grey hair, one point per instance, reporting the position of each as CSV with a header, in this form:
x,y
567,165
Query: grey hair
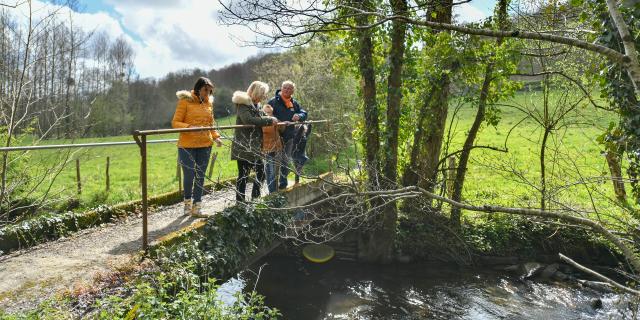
x,y
258,90
288,82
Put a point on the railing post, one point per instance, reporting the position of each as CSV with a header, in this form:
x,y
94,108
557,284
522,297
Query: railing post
x,y
141,139
107,174
212,163
78,181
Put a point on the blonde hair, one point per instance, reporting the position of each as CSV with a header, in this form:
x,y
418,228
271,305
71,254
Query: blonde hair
x,y
288,82
268,108
258,90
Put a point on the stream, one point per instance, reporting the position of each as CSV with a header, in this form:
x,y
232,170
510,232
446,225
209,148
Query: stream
x,y
346,290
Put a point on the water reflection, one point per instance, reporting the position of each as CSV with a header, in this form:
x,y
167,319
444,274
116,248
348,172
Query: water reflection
x,y
339,290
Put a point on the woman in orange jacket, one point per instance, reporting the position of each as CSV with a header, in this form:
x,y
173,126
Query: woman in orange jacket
x,y
195,109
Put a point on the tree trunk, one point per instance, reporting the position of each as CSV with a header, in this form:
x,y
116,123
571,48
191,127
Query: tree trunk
x,y
543,176
67,109
410,176
367,73
382,250
436,114
394,94
366,68
429,149
461,172
631,60
613,161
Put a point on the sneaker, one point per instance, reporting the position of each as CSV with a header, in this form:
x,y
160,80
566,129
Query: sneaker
x,y
187,207
196,211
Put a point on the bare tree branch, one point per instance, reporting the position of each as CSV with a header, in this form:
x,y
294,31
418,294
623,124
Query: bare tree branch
x,y
598,275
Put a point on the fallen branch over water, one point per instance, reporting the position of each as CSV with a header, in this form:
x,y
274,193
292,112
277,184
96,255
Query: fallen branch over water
x,y
598,275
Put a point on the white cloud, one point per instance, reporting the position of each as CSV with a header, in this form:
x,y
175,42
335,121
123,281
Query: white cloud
x,y
175,36
89,22
467,12
168,35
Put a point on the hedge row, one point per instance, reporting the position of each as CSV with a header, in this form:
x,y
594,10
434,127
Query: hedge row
x,y
52,226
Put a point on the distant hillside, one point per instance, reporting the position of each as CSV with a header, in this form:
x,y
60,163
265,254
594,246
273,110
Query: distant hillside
x,y
151,102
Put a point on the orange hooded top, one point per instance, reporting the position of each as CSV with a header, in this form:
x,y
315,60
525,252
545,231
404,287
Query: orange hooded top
x,y
191,112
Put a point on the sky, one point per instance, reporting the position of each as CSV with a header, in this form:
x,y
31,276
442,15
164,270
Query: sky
x,y
173,35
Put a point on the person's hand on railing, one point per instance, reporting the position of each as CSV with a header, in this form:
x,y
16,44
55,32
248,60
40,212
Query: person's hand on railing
x,y
296,117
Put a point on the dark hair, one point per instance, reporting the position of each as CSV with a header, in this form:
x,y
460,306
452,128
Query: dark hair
x,y
202,81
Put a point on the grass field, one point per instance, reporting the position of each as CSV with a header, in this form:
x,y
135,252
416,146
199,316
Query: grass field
x,y
513,178
494,177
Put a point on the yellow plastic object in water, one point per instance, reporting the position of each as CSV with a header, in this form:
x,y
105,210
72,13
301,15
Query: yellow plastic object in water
x,y
318,253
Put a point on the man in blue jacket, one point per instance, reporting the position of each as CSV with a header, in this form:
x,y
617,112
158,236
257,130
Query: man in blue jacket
x,y
285,108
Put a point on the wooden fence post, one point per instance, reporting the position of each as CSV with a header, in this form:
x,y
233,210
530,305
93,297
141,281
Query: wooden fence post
x,y
214,156
107,174
78,176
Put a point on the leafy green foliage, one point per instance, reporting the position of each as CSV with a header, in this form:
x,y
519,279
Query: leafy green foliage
x,y
617,88
229,239
51,226
234,235
164,294
499,235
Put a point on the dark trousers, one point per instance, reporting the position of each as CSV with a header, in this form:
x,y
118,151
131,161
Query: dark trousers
x,y
194,163
244,168
286,160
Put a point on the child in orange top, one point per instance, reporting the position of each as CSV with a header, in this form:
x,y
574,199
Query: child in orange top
x,y
272,148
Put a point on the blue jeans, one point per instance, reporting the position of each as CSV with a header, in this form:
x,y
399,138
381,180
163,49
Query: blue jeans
x,y
273,160
284,165
194,163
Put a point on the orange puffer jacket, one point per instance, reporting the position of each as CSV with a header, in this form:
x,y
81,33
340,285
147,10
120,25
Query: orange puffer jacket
x,y
190,112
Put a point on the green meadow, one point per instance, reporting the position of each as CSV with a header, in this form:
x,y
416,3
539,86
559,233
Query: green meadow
x,y
576,170
507,178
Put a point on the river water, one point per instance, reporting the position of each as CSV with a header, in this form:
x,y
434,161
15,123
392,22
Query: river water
x,y
345,290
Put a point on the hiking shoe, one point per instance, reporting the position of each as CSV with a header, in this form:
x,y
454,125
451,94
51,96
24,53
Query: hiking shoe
x,y
196,211
187,207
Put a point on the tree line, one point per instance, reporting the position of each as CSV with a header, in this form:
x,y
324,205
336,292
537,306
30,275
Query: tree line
x,y
60,81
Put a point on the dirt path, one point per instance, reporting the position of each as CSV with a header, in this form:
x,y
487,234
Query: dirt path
x,y
33,275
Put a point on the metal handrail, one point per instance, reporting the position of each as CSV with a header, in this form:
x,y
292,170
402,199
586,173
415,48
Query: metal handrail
x,y
163,131
138,132
79,145
141,139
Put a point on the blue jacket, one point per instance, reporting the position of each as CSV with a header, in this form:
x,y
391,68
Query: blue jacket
x,y
283,113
